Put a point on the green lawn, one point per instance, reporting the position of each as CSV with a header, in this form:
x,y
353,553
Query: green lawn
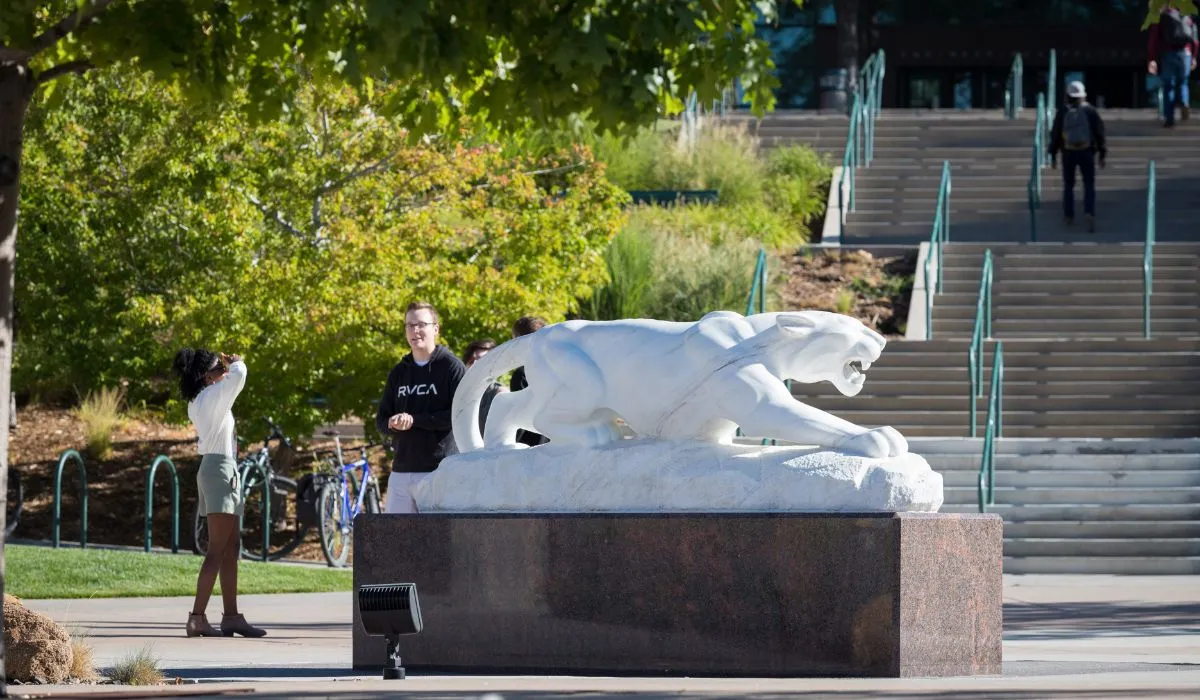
x,y
43,572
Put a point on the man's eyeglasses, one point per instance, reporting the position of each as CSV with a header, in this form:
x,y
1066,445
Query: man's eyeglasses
x,y
418,326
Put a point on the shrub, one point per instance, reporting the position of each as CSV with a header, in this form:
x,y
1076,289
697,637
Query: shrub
x,y
773,198
659,270
138,668
845,301
100,412
82,659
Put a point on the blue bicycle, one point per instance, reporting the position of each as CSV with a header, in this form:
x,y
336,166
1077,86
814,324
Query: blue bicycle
x,y
341,498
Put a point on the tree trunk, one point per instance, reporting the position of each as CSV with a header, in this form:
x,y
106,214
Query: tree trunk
x,y
16,89
847,38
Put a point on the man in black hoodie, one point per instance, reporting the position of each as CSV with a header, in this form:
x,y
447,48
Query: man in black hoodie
x,y
415,408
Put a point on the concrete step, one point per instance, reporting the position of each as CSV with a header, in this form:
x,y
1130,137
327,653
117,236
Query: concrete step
x,y
1113,422
1011,328
1149,566
1073,547
1068,249
1125,496
1103,530
1035,301
1010,448
915,429
1048,374
922,348
1068,273
1017,404
968,479
1130,310
1090,513
957,389
1066,467
967,284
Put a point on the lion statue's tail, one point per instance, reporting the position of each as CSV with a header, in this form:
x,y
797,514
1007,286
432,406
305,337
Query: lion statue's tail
x,y
464,411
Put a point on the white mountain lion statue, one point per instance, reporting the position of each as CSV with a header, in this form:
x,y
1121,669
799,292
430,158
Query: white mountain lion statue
x,y
677,381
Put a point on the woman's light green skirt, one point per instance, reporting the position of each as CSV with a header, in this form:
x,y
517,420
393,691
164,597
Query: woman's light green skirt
x,y
219,486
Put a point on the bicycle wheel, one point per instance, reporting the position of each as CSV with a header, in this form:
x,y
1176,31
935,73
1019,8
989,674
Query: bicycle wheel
x,y
285,530
199,532
333,524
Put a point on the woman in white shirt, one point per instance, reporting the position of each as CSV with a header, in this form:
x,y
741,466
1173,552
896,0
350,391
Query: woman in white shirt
x,y
210,382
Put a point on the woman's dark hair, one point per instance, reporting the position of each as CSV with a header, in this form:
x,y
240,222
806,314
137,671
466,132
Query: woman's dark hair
x,y
192,365
476,345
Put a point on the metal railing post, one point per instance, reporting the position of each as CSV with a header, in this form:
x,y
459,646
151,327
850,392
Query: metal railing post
x,y
1148,247
163,459
55,537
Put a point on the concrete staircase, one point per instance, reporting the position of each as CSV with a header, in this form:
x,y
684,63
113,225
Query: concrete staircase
x,y
1052,389
1070,290
990,163
1084,506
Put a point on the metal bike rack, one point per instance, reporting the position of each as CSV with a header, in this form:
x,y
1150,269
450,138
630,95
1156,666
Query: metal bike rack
x,y
163,459
14,477
70,455
266,514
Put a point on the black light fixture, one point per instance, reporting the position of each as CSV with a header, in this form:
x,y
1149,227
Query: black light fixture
x,y
390,610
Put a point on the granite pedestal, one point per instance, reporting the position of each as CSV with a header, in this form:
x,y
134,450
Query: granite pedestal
x,y
788,594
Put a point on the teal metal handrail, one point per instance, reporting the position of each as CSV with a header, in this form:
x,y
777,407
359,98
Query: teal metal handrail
x,y
866,101
1148,248
871,86
70,456
758,287
758,293
938,237
1014,93
1052,86
849,164
993,431
1038,161
266,507
163,459
981,333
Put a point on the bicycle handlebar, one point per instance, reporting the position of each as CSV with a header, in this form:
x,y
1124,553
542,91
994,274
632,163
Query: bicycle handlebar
x,y
277,433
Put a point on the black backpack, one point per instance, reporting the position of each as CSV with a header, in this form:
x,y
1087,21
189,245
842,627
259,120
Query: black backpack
x,y
1176,31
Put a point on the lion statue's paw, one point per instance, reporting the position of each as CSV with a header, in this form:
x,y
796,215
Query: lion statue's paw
x,y
876,443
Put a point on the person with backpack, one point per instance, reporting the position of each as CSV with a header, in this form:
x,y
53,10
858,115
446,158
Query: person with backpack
x,y
1173,49
1078,132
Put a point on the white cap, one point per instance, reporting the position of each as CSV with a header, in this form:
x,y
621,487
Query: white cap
x,y
1076,89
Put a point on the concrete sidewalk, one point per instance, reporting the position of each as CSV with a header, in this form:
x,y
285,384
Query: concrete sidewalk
x,y
1065,636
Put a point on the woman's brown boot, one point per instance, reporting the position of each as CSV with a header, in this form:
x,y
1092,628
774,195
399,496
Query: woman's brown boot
x,y
236,624
197,626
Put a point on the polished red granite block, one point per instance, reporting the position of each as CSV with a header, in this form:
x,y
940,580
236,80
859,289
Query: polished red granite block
x,y
788,594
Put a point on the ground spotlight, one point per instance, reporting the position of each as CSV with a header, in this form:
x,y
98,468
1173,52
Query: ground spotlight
x,y
390,610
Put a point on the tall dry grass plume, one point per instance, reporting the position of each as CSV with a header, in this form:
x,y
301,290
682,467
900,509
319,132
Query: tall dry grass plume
x,y
138,668
100,412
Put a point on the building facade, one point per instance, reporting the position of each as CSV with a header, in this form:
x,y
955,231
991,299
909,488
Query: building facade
x,y
958,53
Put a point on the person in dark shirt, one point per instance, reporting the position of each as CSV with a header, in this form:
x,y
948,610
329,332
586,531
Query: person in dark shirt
x,y
1173,48
524,326
415,409
1078,132
474,351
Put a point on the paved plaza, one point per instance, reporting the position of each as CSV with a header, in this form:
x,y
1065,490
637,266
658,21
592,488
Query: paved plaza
x,y
1065,637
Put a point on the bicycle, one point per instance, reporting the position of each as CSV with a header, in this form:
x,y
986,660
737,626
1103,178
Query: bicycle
x,y
284,520
341,498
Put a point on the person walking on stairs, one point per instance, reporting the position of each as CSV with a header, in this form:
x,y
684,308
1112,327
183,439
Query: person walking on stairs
x,y
1173,49
1078,132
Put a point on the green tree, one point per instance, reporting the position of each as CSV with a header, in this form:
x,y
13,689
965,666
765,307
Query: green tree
x,y
297,241
507,62
1156,8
